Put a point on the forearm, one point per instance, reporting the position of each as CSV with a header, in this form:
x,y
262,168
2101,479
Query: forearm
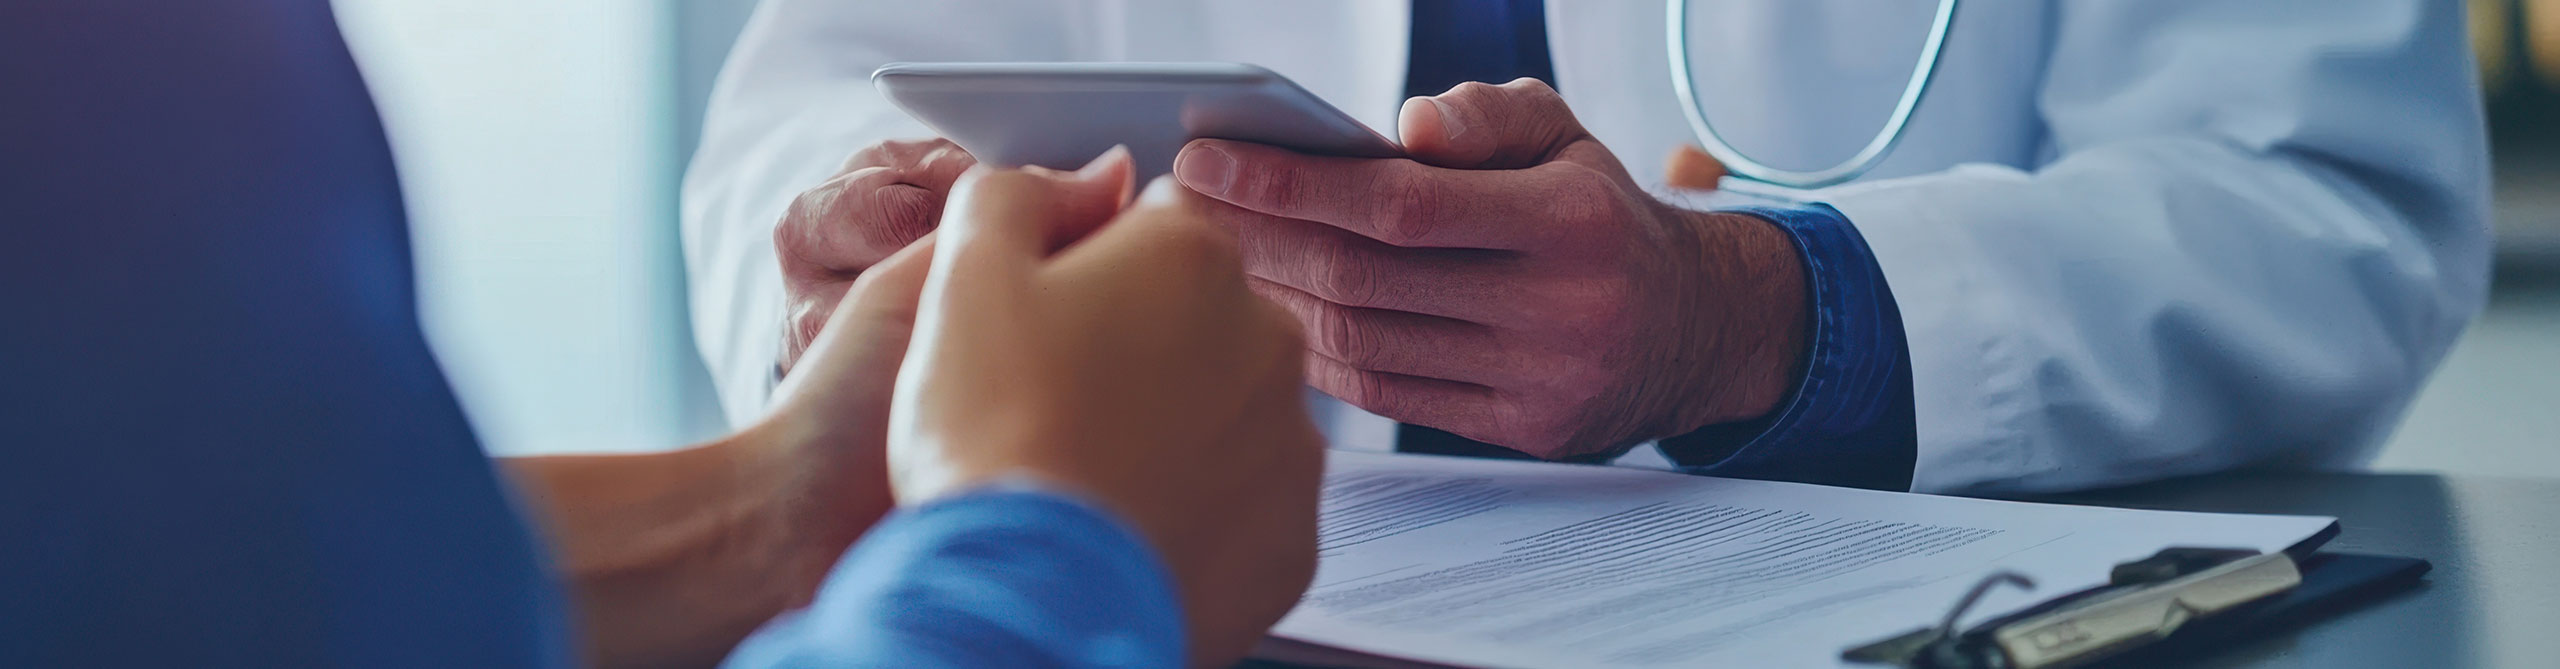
x,y
671,558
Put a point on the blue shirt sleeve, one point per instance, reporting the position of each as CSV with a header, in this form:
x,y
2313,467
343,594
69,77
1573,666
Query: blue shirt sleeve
x,y
992,578
223,440
1850,421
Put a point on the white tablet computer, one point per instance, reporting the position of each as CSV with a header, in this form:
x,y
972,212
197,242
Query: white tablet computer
x,y
1060,115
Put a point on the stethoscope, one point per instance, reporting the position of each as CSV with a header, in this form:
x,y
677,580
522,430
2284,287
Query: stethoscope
x,y
1744,166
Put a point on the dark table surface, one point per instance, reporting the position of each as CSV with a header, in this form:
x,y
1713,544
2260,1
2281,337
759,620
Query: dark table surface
x,y
2493,599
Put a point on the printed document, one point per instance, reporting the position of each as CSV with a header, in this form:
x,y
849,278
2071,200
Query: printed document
x,y
1523,564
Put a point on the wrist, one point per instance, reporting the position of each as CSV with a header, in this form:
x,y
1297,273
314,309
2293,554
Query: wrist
x,y
672,557
813,495
1751,323
953,457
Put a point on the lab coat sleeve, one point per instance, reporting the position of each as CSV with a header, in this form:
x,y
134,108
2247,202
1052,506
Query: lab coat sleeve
x,y
2262,225
793,102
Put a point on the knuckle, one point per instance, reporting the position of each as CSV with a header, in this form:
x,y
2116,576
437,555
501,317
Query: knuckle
x,y
791,235
1380,397
1347,338
786,232
1412,210
1280,183
1364,389
1344,275
1340,381
1532,88
1584,196
815,202
1539,111
899,214
1473,90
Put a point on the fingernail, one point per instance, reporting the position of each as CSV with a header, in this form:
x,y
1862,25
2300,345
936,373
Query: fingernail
x,y
1450,126
1205,169
1119,153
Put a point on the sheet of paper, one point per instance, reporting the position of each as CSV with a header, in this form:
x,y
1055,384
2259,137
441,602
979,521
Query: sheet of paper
x,y
1516,564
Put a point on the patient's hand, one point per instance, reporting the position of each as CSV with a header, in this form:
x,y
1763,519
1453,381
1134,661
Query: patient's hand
x,y
885,198
1133,367
831,417
673,557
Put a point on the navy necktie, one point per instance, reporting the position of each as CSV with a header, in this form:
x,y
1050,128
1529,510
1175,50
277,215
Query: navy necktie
x,y
1454,42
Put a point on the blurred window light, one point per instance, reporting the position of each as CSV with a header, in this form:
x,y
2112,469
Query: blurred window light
x,y
536,145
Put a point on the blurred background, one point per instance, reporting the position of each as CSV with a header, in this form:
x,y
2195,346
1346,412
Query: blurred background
x,y
541,145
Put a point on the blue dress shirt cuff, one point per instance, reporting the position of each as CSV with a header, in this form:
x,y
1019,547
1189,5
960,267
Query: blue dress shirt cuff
x,y
1850,421
1005,576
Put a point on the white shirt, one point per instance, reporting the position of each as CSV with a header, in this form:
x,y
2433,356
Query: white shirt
x,y
2129,238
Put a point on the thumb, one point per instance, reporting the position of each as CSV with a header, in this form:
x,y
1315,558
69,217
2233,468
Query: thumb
x,y
1090,196
1480,126
1000,224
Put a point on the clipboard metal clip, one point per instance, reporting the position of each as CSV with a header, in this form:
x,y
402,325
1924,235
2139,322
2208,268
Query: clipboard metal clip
x,y
2144,601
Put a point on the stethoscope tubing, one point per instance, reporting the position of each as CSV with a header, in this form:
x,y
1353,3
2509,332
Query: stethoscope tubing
x,y
1740,165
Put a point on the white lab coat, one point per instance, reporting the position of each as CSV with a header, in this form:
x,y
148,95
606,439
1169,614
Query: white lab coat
x,y
2129,238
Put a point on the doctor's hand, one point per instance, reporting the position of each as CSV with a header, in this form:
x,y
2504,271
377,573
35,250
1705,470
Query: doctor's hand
x,y
886,197
1132,367
1509,282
